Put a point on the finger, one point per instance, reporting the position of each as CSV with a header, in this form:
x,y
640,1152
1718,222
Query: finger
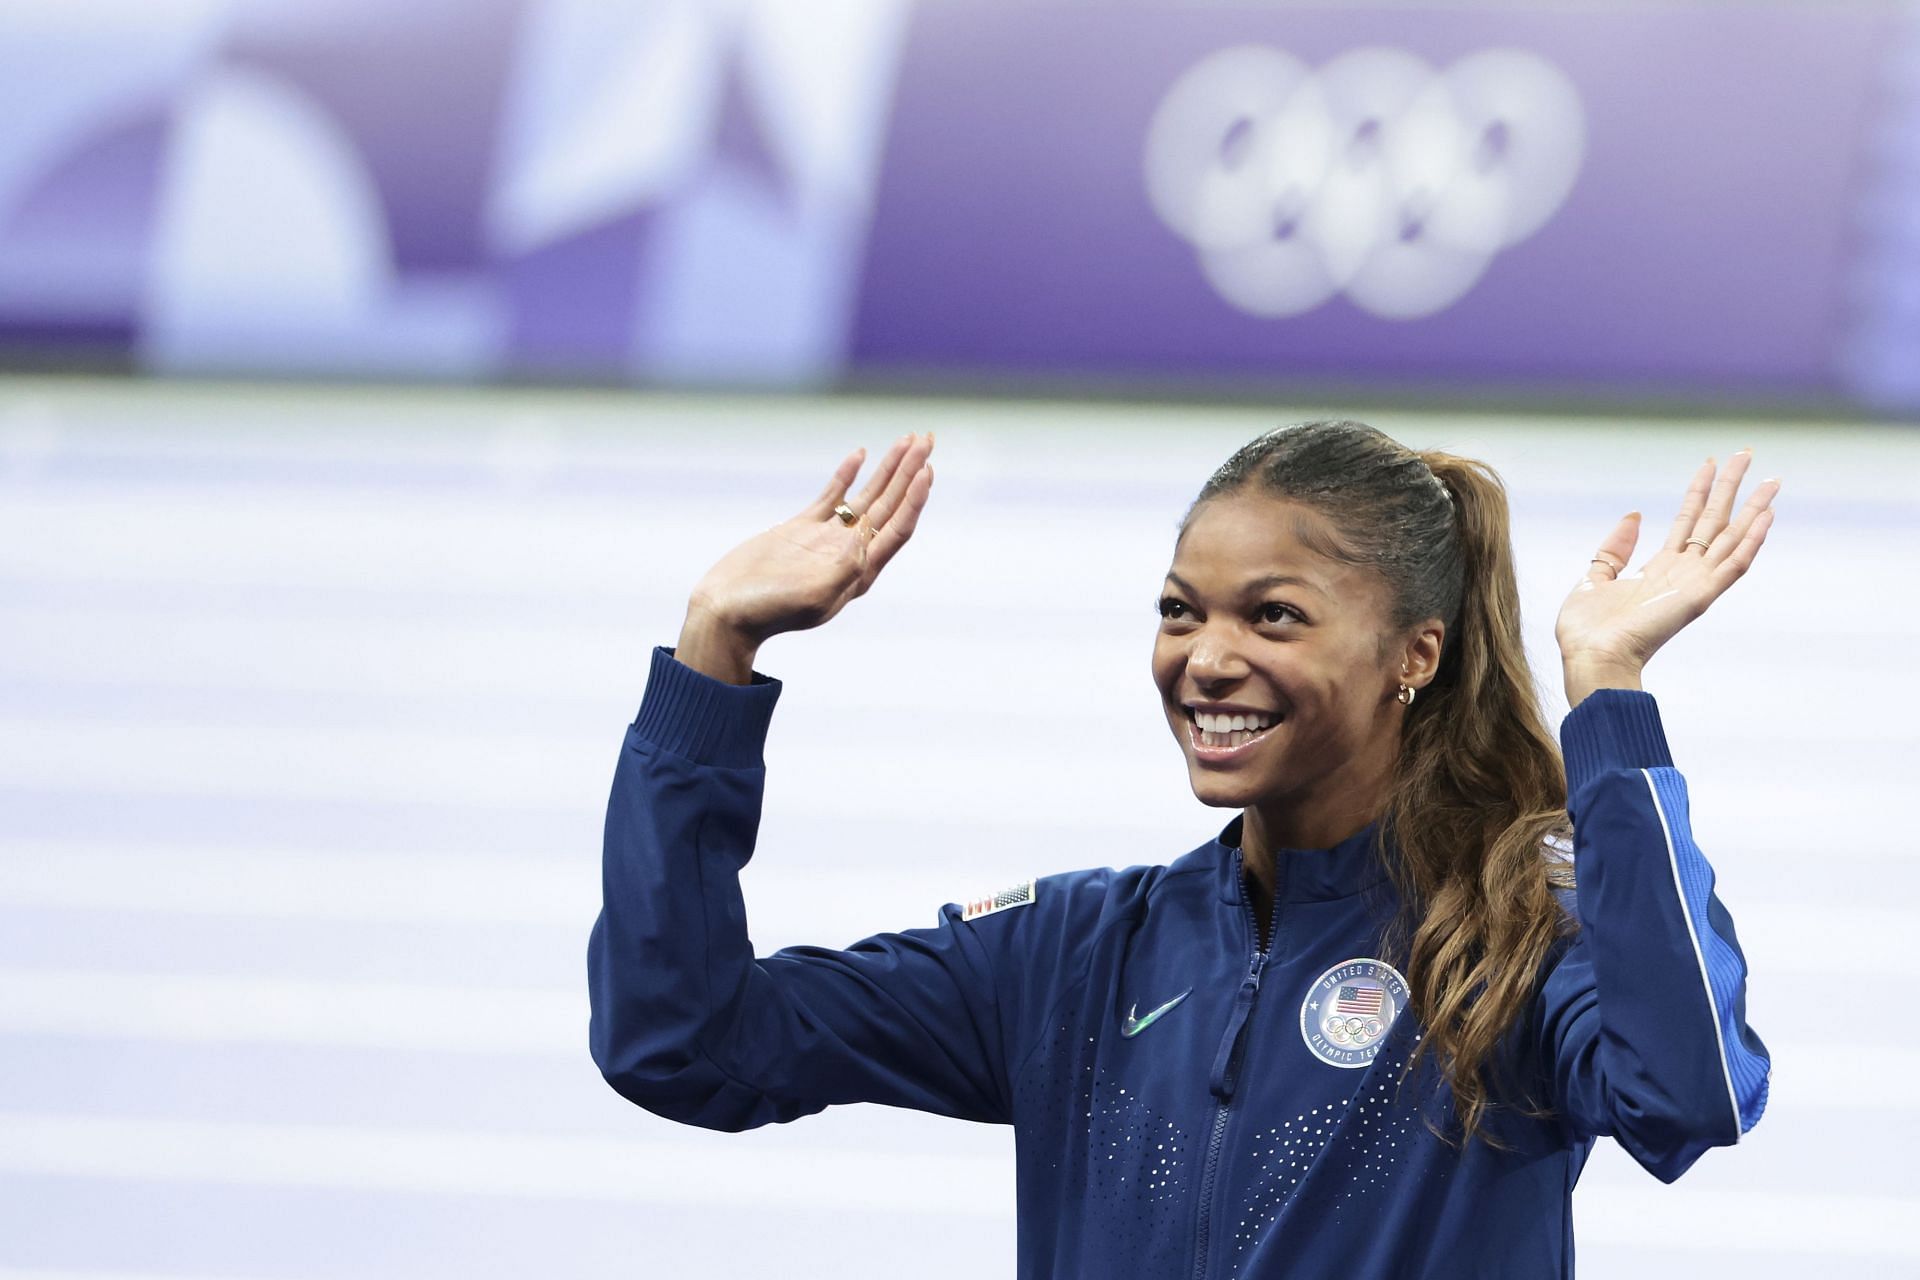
x,y
910,466
1611,557
1691,505
882,474
1720,502
1759,501
888,541
822,507
898,529
1741,558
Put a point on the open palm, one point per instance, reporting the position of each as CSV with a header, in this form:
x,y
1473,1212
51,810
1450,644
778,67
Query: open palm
x,y
1615,619
804,570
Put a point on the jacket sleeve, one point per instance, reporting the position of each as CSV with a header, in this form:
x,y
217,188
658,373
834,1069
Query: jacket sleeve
x,y
686,1022
1644,1016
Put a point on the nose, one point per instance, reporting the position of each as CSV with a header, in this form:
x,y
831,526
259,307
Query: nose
x,y
1213,658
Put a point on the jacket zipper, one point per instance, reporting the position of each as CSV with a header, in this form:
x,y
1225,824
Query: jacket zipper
x,y
1222,1076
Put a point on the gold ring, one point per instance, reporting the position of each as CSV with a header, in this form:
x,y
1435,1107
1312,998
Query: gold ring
x,y
847,514
1610,564
1701,543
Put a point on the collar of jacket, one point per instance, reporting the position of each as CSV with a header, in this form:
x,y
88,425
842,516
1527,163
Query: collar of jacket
x,y
1311,875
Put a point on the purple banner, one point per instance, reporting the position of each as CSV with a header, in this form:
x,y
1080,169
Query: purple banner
x,y
1706,203
1660,200
452,188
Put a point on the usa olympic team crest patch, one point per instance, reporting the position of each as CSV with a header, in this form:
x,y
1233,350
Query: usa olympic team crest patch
x,y
1348,1010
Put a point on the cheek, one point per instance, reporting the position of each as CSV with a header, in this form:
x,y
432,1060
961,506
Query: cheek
x,y
1165,665
1339,702
1353,704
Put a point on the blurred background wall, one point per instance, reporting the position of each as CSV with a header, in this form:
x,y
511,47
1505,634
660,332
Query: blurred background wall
x,y
376,380
1694,202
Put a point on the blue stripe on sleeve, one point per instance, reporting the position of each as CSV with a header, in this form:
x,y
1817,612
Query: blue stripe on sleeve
x,y
1723,969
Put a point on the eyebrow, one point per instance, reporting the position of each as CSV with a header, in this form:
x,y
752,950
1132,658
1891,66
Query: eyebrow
x,y
1257,584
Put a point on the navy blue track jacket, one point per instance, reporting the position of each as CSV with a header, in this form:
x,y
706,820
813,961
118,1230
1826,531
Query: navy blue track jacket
x,y
1189,1100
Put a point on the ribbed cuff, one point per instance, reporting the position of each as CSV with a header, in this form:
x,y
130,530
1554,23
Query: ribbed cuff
x,y
706,720
1612,729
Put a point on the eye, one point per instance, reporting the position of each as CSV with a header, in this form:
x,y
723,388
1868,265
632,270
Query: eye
x,y
1166,606
1274,611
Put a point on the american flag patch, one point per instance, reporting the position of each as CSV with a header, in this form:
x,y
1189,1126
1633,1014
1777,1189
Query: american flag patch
x,y
1018,896
1362,1000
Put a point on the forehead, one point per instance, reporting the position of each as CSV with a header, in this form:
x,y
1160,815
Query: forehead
x,y
1240,538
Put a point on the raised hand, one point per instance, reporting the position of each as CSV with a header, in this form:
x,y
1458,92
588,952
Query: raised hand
x,y
1613,621
803,571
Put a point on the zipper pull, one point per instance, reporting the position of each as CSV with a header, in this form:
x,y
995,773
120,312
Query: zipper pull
x,y
1220,1079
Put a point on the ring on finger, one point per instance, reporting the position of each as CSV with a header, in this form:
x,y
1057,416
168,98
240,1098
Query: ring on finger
x,y
848,516
1701,543
1611,566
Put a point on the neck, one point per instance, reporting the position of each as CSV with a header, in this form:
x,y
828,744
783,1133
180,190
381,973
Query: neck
x,y
1320,820
1262,833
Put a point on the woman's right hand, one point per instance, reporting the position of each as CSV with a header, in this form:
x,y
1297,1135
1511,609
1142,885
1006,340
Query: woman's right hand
x,y
803,571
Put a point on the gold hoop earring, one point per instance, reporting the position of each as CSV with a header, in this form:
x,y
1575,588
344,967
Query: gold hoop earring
x,y
1405,696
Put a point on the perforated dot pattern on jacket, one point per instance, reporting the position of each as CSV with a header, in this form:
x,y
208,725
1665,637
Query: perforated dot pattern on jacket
x,y
1134,1163
1366,1134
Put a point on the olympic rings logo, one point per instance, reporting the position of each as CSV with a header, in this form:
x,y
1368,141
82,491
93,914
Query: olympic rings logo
x,y
1351,1030
1375,176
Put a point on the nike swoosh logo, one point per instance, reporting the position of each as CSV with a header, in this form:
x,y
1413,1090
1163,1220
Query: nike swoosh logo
x,y
1134,1026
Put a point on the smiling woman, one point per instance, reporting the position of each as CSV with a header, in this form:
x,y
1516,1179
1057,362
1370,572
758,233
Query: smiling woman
x,y
1420,971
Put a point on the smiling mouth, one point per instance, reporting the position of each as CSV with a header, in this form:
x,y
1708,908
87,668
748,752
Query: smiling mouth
x,y
1216,743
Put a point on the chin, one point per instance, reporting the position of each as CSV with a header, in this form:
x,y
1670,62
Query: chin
x,y
1221,793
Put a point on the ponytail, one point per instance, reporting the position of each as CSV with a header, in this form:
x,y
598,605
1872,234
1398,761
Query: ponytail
x,y
1479,798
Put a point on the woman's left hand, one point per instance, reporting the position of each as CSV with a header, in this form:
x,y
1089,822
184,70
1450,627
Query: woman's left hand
x,y
1614,621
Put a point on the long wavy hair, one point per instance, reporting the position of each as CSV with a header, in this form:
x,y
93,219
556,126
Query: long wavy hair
x,y
1478,801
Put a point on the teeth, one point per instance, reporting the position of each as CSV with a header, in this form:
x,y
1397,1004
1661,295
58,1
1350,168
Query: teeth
x,y
1227,724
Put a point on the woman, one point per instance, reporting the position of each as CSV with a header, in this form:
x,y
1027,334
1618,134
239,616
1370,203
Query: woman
x,y
1373,1027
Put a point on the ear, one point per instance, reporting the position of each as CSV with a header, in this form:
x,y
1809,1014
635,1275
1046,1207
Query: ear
x,y
1420,655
